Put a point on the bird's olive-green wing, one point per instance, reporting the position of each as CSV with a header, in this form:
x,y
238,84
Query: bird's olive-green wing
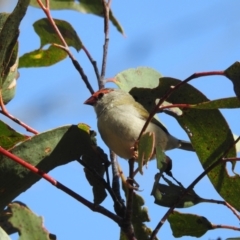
x,y
145,114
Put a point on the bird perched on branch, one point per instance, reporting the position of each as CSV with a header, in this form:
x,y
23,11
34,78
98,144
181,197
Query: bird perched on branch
x,y
121,119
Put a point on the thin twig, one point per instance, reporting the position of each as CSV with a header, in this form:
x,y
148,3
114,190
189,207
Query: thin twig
x,y
215,226
94,63
106,8
116,185
7,114
234,159
191,186
172,90
93,207
127,227
234,211
65,47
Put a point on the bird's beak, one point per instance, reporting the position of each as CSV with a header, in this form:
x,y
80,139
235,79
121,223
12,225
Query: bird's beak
x,y
90,101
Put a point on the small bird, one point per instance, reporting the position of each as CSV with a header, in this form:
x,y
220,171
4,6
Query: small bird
x,y
121,119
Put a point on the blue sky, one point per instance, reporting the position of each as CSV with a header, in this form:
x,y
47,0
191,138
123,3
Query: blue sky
x,y
177,38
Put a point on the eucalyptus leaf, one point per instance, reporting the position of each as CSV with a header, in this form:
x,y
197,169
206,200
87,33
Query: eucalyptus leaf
x,y
47,35
207,129
8,36
46,151
42,58
233,73
28,224
167,195
188,224
232,102
145,149
9,137
84,6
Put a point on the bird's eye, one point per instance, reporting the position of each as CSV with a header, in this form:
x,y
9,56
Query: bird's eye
x,y
100,95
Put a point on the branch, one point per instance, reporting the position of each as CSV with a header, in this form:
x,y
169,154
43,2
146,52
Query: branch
x,y
93,62
93,207
127,227
235,159
120,210
214,226
173,89
65,47
106,9
191,186
234,211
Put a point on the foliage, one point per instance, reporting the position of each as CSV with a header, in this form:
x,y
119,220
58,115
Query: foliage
x,y
26,159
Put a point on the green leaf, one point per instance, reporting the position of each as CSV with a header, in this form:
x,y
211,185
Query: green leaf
x,y
46,151
48,36
209,134
167,195
10,65
161,159
29,225
10,78
233,73
97,164
232,102
188,224
42,58
137,77
9,137
207,129
85,6
145,149
8,36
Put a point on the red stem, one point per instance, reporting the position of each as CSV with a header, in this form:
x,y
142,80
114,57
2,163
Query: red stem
x,y
93,207
174,88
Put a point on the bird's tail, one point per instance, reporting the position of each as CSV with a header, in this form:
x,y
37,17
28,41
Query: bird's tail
x,y
185,145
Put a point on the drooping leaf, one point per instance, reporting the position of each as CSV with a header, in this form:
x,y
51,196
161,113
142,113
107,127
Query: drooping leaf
x,y
98,189
161,159
207,129
48,36
145,149
9,137
42,58
8,37
45,151
29,225
167,195
85,6
188,224
233,73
